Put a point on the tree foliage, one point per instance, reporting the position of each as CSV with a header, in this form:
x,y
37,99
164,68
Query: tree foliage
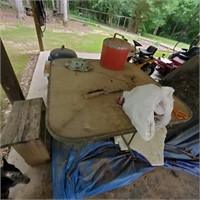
x,y
178,19
184,22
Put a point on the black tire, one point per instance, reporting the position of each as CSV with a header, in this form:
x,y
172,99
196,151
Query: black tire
x,y
162,71
129,59
148,68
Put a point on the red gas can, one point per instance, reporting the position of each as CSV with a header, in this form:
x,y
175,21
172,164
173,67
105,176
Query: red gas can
x,y
114,53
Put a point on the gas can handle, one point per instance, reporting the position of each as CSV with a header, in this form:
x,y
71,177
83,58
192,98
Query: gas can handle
x,y
119,35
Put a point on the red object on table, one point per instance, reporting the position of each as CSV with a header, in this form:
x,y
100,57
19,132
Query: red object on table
x,y
114,53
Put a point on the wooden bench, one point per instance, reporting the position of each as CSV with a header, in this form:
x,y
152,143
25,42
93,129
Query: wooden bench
x,y
26,132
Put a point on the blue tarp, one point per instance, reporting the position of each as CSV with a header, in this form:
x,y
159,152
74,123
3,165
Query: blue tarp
x,y
102,167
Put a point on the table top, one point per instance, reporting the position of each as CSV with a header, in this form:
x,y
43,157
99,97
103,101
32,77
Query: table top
x,y
75,115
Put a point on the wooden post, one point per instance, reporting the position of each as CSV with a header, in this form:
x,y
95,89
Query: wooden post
x,y
37,26
9,80
124,23
118,21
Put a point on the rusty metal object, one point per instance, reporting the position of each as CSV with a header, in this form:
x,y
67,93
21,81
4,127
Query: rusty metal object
x,y
179,114
98,92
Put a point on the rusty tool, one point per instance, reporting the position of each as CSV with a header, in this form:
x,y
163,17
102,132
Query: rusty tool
x,y
98,92
179,114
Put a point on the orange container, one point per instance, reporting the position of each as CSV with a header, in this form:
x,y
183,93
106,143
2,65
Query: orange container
x,y
114,53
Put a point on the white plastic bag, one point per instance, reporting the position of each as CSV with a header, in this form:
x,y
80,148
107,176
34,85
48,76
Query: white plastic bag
x,y
149,108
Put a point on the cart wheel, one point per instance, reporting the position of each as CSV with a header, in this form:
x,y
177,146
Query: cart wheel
x,y
148,68
162,71
129,59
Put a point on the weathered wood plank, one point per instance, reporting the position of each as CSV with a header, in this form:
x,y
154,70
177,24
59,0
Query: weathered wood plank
x,y
32,129
33,152
20,121
14,128
25,122
26,131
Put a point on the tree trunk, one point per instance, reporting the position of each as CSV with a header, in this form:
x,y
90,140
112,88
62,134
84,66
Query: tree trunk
x,y
110,18
65,11
20,9
58,6
173,31
136,26
12,3
62,5
53,5
156,30
28,3
175,28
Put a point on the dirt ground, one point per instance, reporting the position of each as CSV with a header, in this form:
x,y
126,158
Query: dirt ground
x,y
158,184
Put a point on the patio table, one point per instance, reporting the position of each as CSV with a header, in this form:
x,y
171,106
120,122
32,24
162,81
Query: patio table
x,y
74,115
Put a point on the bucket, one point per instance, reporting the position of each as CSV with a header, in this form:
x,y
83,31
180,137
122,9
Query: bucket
x,y
114,53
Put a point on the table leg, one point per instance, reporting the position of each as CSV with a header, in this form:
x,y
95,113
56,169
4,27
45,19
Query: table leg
x,y
128,143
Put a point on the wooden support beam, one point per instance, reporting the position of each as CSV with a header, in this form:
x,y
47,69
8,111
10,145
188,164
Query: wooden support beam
x,y
37,25
9,80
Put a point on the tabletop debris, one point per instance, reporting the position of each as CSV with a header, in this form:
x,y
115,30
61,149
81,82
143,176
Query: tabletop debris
x,y
78,64
98,92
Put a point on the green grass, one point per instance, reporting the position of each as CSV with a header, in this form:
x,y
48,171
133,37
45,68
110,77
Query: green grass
x,y
18,61
83,19
90,43
18,42
159,40
159,54
19,33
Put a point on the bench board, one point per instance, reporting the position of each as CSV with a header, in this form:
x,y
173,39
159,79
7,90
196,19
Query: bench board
x,y
26,132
